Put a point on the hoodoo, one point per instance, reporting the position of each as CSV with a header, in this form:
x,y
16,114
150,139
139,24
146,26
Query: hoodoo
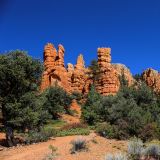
x,y
76,77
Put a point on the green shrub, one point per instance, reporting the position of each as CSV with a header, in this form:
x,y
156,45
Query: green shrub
x,y
41,136
78,145
105,130
90,108
57,101
149,132
133,111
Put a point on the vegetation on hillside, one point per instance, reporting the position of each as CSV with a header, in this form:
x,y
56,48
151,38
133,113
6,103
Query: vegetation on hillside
x,y
134,111
23,108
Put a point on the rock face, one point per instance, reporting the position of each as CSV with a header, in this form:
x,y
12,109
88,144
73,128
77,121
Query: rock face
x,y
55,73
108,82
75,78
78,77
123,70
152,79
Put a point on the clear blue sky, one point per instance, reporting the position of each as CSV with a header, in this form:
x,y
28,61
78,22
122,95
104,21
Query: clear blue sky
x,y
130,27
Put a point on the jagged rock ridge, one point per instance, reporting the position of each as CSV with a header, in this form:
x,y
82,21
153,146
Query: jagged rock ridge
x,y
76,78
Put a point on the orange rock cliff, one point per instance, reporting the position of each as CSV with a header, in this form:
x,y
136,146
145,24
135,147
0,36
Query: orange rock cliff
x,y
152,79
75,78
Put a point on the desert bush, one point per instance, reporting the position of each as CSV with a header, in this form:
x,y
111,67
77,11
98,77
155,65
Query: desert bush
x,y
119,156
152,151
52,155
105,130
40,136
78,145
135,148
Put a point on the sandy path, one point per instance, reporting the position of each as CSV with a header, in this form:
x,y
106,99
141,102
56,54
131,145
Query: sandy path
x,y
38,151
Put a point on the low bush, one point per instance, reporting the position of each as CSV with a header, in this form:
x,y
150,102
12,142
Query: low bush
x,y
150,132
135,148
52,155
78,145
152,151
119,156
105,130
40,136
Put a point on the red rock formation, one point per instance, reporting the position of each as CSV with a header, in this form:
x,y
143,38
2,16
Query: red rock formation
x,y
49,56
152,79
79,77
108,82
55,73
76,78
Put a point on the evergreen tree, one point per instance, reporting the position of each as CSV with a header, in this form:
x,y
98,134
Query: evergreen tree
x,y
90,108
19,80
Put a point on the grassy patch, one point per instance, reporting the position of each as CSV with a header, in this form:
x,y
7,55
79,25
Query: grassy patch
x,y
55,124
73,131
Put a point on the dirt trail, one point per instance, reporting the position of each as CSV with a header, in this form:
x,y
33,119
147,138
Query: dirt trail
x,y
97,149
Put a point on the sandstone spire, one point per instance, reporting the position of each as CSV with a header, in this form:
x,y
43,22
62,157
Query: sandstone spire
x,y
61,50
77,78
50,54
80,63
108,82
104,57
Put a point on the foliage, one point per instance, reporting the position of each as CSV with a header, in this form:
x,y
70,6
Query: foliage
x,y
123,81
95,71
138,150
78,145
40,136
152,151
52,155
74,131
89,109
137,77
57,101
77,96
135,148
149,132
22,107
133,111
105,130
55,124
29,113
